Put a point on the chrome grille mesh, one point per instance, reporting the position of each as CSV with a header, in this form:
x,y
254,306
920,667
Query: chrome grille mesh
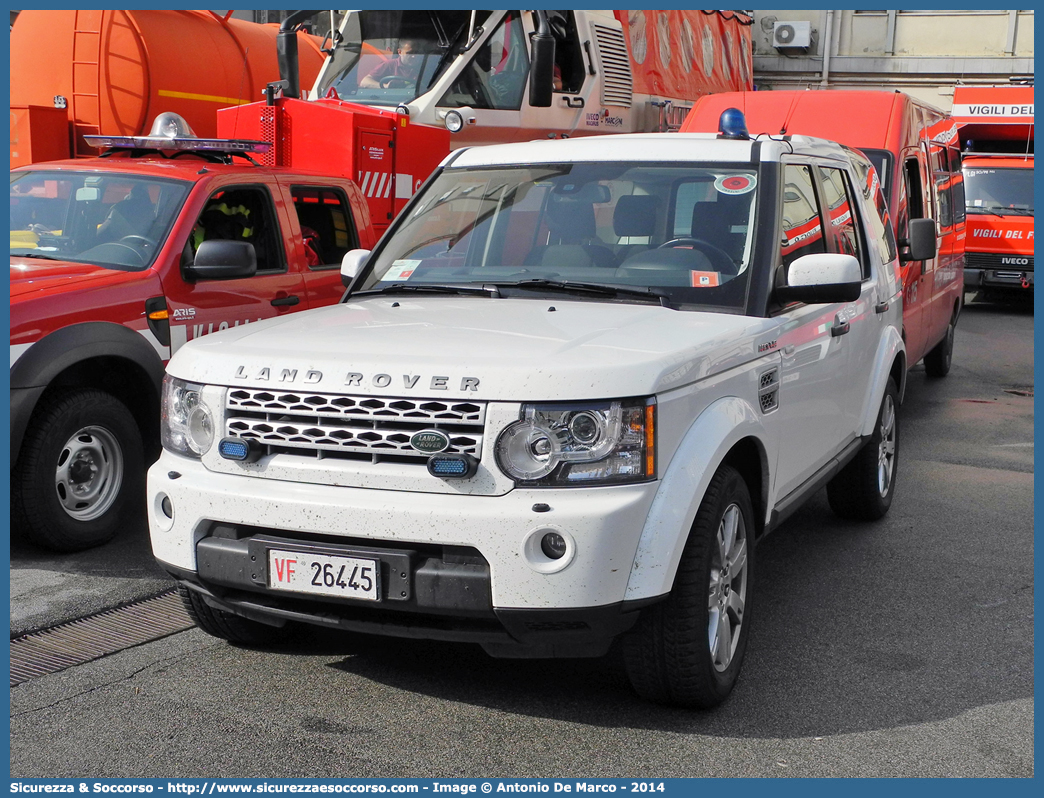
x,y
365,427
768,390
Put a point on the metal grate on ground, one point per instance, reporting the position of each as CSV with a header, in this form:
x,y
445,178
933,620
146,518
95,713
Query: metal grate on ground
x,y
86,639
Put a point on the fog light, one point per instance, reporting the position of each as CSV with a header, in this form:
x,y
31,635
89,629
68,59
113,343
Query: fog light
x,y
553,545
452,466
167,507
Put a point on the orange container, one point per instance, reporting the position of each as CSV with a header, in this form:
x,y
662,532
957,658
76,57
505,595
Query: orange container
x,y
38,134
117,70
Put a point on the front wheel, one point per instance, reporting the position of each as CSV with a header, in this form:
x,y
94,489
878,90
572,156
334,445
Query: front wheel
x,y
863,489
80,474
937,362
687,650
227,626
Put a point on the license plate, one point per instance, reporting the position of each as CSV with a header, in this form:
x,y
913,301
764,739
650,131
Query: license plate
x,y
321,575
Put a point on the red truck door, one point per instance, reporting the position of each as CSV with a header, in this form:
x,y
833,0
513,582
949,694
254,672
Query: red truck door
x,y
914,203
375,175
948,198
252,212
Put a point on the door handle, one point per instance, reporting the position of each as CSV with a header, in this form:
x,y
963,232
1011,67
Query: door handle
x,y
839,327
286,301
573,102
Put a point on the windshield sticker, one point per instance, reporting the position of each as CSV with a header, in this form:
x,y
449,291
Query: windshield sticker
x,y
400,270
704,279
735,184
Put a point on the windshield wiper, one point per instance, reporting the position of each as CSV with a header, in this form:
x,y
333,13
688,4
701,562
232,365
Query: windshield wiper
x,y
599,289
432,288
34,255
1000,213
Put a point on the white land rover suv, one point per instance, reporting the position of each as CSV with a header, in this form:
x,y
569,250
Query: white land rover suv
x,y
561,401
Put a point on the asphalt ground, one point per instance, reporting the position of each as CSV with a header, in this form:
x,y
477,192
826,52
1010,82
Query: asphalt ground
x,y
900,648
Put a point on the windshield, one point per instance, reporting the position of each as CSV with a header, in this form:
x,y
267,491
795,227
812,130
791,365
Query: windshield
x,y
684,231
393,57
999,190
115,221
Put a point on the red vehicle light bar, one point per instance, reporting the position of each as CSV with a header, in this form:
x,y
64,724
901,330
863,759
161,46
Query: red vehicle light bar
x,y
190,144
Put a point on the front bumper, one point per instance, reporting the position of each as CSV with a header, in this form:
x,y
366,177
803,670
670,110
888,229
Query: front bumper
x,y
987,271
473,564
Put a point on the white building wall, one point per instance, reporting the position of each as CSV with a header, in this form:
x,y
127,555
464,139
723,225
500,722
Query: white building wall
x,y
922,52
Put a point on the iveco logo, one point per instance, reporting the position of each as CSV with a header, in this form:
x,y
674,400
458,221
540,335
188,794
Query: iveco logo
x,y
1015,261
430,441
765,347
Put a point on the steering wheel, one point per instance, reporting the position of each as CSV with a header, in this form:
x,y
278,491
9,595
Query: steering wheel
x,y
137,253
142,240
395,82
716,254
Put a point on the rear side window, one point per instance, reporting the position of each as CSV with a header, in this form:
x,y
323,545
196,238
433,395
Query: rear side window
x,y
943,181
841,211
327,228
880,223
802,228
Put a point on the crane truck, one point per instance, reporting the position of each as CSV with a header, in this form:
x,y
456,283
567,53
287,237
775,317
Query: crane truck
x,y
483,77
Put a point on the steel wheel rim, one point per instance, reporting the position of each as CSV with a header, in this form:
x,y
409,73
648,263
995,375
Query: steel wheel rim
x,y
89,473
886,448
728,588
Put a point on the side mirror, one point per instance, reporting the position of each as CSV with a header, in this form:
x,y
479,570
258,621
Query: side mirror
x,y
822,278
223,260
922,240
352,263
542,70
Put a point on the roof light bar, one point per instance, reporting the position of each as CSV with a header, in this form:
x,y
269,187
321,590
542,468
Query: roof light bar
x,y
170,131
163,143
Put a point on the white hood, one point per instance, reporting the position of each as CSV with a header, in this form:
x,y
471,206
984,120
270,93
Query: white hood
x,y
479,348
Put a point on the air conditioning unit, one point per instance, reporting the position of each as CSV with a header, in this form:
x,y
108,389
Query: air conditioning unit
x,y
792,34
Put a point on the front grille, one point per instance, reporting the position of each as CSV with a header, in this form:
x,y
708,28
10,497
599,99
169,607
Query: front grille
x,y
1009,263
376,429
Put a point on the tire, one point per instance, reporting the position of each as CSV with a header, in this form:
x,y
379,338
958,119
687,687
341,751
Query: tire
x,y
863,490
80,475
937,362
674,654
227,626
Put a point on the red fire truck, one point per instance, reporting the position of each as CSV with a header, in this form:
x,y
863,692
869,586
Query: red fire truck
x,y
996,131
116,262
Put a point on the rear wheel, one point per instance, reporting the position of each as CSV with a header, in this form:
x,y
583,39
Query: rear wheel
x,y
863,489
80,475
228,626
937,362
687,650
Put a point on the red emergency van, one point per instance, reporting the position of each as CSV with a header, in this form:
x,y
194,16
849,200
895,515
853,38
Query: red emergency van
x,y
996,133
914,148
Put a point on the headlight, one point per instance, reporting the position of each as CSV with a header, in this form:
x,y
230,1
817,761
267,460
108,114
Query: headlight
x,y
588,443
186,422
